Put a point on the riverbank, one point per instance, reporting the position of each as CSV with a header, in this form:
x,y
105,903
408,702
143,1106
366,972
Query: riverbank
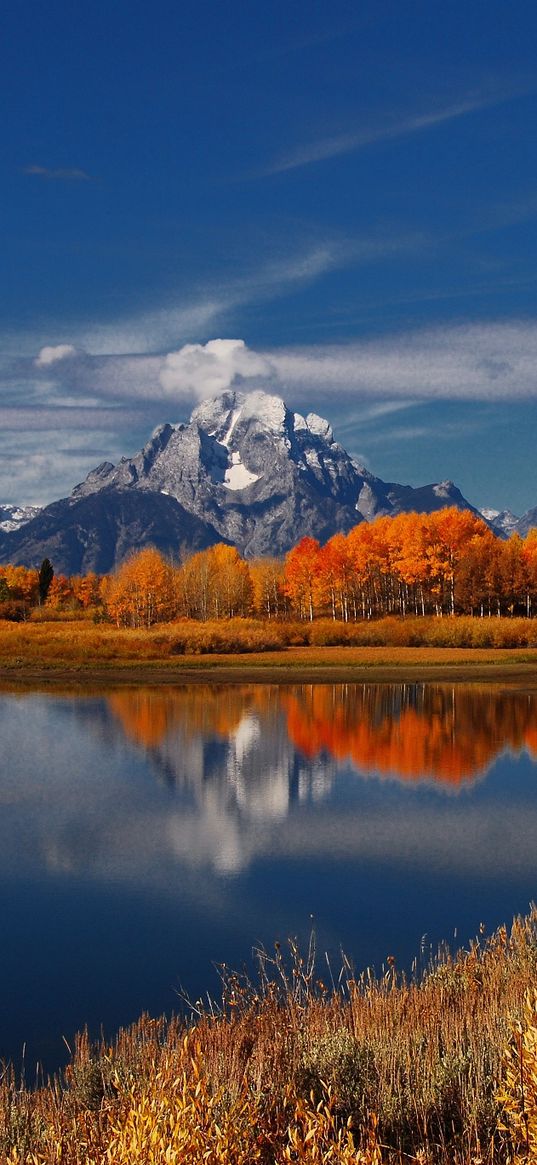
x,y
295,1067
330,666
246,651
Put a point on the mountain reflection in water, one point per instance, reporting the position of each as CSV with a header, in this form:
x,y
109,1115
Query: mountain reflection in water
x,y
146,832
409,732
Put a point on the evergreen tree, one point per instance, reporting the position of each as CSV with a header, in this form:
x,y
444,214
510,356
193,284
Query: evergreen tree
x,y
46,575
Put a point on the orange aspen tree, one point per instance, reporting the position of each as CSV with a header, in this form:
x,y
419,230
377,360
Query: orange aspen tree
x,y
139,593
477,568
60,595
410,560
451,531
529,553
23,583
86,590
335,576
232,590
301,567
267,583
514,573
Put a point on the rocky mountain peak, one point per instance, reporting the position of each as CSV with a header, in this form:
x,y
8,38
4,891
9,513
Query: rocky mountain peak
x,y
245,469
320,428
220,416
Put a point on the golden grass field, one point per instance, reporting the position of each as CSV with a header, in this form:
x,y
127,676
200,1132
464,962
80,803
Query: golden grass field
x,y
431,648
440,1070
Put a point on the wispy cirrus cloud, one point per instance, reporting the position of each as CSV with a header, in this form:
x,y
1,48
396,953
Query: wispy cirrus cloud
x,y
471,362
480,362
31,473
58,174
211,308
335,145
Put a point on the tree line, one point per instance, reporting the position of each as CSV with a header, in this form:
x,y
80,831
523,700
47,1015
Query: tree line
x,y
444,563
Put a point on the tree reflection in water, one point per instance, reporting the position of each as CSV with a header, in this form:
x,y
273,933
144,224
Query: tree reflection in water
x,y
449,734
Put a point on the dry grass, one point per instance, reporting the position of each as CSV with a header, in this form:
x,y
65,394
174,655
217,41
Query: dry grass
x,y
23,644
80,645
372,1070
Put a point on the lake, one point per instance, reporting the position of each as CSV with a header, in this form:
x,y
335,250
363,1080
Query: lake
x,y
149,834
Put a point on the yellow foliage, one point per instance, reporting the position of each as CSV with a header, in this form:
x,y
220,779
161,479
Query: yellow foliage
x,y
314,1137
175,1117
518,1095
139,594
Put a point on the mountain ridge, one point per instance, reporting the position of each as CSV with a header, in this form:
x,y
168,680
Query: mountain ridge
x,y
245,470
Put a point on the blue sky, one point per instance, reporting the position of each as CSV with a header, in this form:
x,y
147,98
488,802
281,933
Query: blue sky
x,y
349,189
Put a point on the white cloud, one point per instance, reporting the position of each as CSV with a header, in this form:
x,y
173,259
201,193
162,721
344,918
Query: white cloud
x,y
104,406
481,362
47,464
485,362
51,354
203,370
337,145
209,309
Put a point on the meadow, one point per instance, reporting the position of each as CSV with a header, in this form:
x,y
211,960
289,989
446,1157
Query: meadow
x,y
308,1063
188,647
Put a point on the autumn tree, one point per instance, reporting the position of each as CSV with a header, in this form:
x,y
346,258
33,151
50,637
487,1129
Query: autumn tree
x,y
60,593
367,557
22,582
302,565
478,574
139,593
514,574
232,587
267,576
214,584
333,579
451,530
86,590
529,553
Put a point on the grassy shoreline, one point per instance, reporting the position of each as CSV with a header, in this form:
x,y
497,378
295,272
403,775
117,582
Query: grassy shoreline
x,y
249,651
295,665
377,1070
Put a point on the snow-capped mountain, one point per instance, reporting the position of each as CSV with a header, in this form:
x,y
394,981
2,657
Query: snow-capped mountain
x,y
13,517
245,470
252,468
501,521
526,522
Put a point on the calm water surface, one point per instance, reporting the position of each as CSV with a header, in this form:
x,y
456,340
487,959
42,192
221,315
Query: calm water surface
x,y
148,834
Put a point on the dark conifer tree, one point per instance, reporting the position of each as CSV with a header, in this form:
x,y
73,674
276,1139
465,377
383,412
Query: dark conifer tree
x,y
46,575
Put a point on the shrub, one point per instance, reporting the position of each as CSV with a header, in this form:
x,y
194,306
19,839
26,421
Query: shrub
x,y
337,1062
13,610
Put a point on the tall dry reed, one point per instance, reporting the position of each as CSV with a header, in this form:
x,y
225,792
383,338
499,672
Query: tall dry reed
x,y
368,1069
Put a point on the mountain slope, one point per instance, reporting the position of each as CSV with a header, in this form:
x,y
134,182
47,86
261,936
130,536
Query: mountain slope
x,y
526,522
99,531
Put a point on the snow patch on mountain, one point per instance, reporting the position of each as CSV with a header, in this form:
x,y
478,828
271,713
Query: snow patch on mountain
x,y
237,476
320,428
